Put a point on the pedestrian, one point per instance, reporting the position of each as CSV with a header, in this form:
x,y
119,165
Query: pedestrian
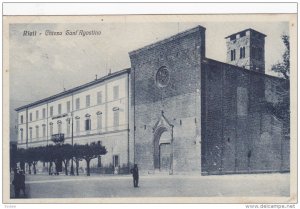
x,y
22,182
135,175
16,183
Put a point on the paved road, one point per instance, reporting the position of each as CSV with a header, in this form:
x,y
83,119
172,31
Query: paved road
x,y
43,186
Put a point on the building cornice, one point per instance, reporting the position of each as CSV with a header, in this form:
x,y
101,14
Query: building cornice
x,y
70,91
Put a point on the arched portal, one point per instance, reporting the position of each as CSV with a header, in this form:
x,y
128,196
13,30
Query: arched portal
x,y
162,149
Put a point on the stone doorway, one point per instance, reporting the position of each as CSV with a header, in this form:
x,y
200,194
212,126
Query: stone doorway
x,y
162,144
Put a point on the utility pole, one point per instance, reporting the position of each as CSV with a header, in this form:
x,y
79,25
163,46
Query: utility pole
x,y
72,167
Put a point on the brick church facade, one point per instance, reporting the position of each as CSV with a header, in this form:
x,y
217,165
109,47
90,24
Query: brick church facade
x,y
190,113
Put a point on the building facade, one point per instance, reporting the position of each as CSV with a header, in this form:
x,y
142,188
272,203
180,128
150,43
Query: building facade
x,y
190,113
175,110
98,111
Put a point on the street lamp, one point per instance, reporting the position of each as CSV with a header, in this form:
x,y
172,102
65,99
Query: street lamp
x,y
72,166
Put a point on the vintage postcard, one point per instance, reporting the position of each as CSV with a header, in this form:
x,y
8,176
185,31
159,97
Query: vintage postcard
x,y
150,109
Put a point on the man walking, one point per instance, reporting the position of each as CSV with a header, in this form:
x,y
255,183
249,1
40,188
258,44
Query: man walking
x,y
135,175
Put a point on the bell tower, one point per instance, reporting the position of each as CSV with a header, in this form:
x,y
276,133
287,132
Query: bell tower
x,y
246,49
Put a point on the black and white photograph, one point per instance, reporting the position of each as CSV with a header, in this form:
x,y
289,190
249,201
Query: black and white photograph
x,y
150,108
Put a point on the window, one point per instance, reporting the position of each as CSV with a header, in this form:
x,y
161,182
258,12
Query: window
x,y
21,135
116,92
44,113
232,54
87,100
37,115
77,126
30,134
21,119
77,103
242,34
59,126
88,124
51,111
68,106
242,52
37,134
51,129
30,116
59,109
44,130
99,97
116,118
99,121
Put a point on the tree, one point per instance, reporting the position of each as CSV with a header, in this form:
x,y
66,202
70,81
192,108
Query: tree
x,y
77,156
20,157
281,109
283,68
33,155
91,151
65,152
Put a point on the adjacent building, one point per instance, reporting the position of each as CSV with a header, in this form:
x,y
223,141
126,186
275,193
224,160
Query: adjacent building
x,y
175,110
93,112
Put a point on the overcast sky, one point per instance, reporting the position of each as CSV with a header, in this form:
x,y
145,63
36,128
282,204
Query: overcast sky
x,y
41,66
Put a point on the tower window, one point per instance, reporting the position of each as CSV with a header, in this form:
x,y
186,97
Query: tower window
x,y
242,34
242,52
232,53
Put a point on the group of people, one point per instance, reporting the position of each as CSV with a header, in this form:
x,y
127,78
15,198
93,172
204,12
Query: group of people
x,y
19,182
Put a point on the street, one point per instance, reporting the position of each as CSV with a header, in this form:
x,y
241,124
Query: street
x,y
44,186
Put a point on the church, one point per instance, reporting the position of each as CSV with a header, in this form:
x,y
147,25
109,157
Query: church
x,y
175,111
190,113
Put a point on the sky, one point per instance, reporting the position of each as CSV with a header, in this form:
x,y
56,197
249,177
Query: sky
x,y
41,66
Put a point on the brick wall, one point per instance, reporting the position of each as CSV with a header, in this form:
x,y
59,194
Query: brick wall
x,y
239,134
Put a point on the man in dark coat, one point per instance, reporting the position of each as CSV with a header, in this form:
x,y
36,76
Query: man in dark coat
x,y
135,175
16,182
22,182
